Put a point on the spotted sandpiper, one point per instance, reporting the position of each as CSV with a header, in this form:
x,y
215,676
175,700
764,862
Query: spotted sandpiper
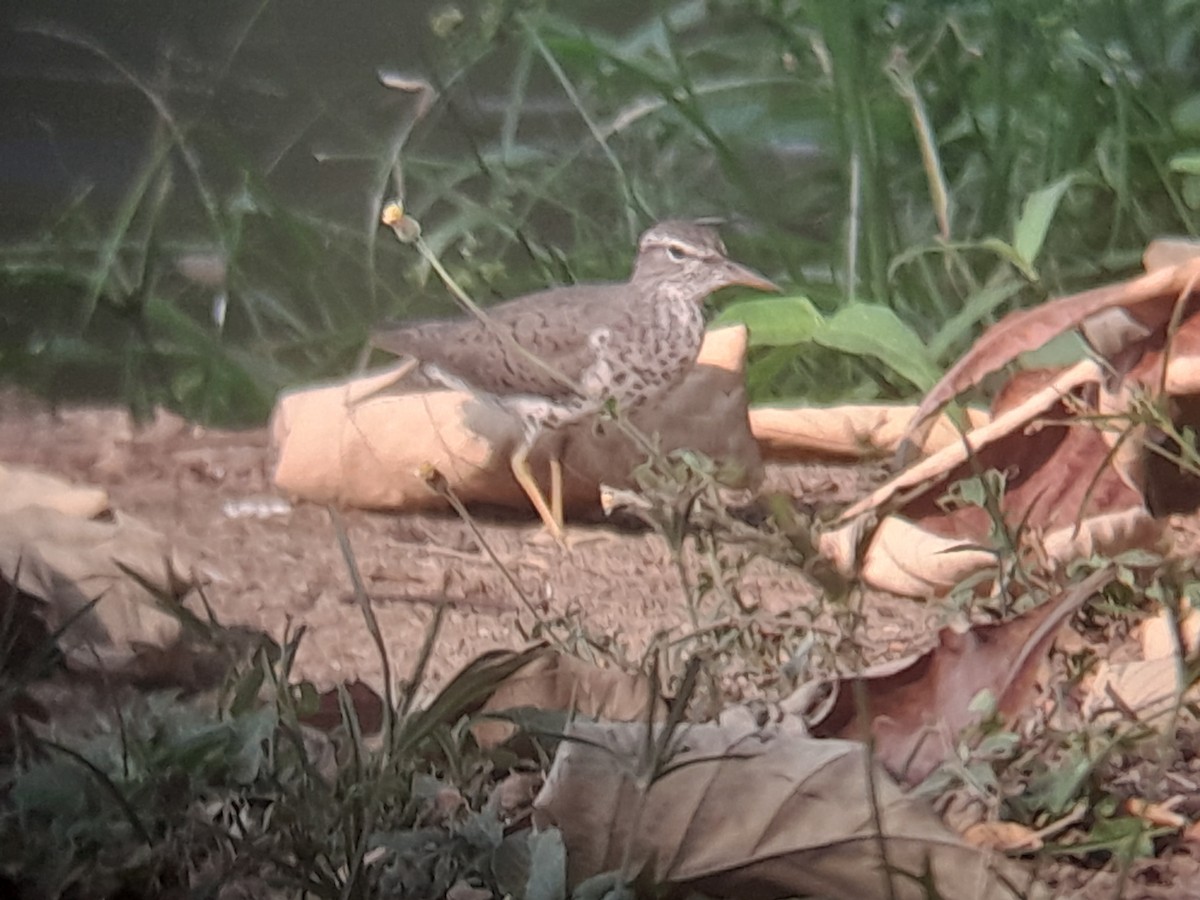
x,y
561,355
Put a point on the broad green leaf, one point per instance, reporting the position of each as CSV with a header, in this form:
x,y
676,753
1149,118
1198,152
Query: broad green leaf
x,y
1127,836
1186,116
864,329
1191,191
1036,215
766,368
774,321
547,866
1187,163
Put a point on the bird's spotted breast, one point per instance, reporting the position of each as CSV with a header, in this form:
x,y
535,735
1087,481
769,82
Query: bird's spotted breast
x,y
665,347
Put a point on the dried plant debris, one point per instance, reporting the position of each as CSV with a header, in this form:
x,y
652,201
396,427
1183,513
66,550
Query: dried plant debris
x,y
743,811
913,709
113,579
1149,300
1091,455
554,681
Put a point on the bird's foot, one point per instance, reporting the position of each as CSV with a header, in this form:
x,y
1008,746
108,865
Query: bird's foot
x,y
561,539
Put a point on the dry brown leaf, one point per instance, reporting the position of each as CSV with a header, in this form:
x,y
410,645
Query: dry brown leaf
x,y
1057,475
361,442
1105,535
859,431
915,707
20,487
1149,689
1157,635
1160,815
515,794
904,558
929,472
68,562
1162,253
1062,491
754,813
1183,361
1004,836
1028,329
554,681
464,890
368,707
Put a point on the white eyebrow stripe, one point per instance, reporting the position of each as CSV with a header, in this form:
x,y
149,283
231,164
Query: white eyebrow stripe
x,y
681,246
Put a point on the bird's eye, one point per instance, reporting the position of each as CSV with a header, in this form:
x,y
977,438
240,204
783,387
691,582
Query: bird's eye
x,y
675,252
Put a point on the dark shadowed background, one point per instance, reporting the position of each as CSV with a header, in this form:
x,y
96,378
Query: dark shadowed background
x,y
191,191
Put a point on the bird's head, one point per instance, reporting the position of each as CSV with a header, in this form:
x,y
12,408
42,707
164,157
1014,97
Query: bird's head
x,y
692,256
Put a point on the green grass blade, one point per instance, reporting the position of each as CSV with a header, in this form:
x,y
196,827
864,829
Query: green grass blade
x,y
864,329
1031,229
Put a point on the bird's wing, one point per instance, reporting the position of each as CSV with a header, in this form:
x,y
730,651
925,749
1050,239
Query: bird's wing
x,y
553,326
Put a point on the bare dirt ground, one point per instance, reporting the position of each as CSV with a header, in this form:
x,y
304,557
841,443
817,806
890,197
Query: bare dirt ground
x,y
206,489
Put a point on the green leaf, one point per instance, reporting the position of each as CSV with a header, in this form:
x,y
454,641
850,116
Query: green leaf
x,y
774,321
1036,215
995,245
1186,116
978,307
245,697
1126,836
1187,163
251,733
1065,782
57,787
547,866
1006,251
864,329
1191,191
983,703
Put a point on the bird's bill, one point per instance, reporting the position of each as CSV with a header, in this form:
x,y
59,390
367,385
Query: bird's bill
x,y
739,274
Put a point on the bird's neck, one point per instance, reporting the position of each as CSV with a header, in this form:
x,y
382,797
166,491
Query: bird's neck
x,y
677,310
666,290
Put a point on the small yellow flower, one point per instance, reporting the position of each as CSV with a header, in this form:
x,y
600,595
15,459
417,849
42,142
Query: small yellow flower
x,y
407,228
393,213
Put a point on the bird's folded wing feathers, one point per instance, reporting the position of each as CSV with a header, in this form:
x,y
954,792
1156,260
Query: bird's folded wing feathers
x,y
553,326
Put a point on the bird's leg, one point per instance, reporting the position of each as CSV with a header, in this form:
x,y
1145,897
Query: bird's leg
x,y
556,490
524,476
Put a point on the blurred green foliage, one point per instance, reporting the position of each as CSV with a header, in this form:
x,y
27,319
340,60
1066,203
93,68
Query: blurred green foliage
x,y
909,170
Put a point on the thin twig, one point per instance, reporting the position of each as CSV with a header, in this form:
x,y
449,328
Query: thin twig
x,y
364,604
438,484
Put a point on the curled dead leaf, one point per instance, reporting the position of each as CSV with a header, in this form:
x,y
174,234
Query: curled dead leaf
x,y
1160,815
739,811
1004,836
67,562
359,442
914,708
553,681
1028,329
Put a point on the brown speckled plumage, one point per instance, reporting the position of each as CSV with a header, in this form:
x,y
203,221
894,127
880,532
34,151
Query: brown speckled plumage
x,y
625,341
647,331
